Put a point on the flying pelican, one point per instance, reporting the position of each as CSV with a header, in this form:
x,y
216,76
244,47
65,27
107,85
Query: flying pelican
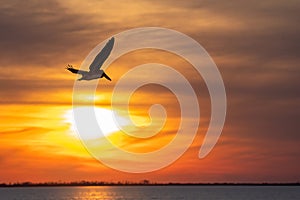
x,y
95,72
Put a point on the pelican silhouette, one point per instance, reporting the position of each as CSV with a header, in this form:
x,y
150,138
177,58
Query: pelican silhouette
x,y
95,72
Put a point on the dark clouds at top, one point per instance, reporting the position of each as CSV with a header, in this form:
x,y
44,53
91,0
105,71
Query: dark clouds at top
x,y
44,33
35,31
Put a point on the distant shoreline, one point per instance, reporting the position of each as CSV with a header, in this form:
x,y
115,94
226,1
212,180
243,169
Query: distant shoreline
x,y
87,183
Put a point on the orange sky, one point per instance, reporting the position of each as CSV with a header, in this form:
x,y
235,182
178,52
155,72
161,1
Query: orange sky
x,y
254,44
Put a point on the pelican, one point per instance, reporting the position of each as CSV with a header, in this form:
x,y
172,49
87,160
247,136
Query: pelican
x,y
95,72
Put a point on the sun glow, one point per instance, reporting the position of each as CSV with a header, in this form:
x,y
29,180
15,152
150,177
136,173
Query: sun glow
x,y
107,122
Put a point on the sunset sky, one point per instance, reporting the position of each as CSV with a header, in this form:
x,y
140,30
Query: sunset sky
x,y
255,45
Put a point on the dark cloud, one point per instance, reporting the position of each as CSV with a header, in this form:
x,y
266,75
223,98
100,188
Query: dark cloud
x,y
44,33
262,31
250,10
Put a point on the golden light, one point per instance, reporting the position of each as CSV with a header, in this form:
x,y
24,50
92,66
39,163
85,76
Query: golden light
x,y
107,121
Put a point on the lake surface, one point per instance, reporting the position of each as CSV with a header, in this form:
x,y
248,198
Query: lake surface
x,y
152,192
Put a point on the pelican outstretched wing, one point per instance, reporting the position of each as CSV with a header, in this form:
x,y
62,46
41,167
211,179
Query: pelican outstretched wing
x,y
102,56
75,71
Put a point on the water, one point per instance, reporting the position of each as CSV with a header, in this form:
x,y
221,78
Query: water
x,y
152,193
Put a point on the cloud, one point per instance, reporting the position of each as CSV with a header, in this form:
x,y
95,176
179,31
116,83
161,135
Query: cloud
x,y
44,33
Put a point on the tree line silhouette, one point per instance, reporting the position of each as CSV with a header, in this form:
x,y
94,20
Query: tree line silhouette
x,y
141,183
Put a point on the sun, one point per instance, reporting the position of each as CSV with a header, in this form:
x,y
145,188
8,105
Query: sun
x,y
105,119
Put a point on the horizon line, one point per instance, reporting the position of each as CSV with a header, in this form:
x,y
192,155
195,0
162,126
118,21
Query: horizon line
x,y
142,183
